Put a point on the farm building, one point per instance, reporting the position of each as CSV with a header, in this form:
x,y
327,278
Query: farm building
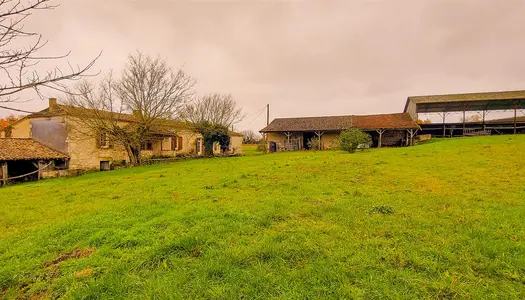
x,y
26,159
295,133
58,128
481,103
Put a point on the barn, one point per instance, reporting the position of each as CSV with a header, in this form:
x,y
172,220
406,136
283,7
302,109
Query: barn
x,y
396,129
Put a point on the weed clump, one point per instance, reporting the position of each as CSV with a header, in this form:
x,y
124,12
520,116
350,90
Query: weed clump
x,y
382,209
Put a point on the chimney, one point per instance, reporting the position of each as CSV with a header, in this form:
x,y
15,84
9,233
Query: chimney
x,y
52,104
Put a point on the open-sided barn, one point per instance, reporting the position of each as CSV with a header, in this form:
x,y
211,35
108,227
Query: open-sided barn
x,y
25,159
295,133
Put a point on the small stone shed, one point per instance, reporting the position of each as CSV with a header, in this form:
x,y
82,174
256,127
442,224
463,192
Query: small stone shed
x,y
27,160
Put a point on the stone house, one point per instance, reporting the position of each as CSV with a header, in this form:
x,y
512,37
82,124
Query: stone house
x,y
295,133
58,130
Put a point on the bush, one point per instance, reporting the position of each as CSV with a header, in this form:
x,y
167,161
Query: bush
x,y
349,140
314,144
261,147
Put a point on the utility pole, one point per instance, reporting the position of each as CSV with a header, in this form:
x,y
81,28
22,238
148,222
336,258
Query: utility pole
x,y
267,114
267,123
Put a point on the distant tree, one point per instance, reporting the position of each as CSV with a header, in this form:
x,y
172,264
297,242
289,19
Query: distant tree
x,y
19,50
6,121
349,140
250,137
427,121
148,88
212,115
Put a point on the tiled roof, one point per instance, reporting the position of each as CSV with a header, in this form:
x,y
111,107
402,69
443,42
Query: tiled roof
x,y
26,149
506,95
337,123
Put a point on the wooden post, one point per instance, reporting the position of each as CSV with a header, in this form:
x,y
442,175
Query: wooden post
x,y
515,116
483,118
288,135
40,169
412,132
3,172
319,134
444,129
380,132
464,121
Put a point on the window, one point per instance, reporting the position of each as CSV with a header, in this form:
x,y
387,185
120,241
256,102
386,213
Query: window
x,y
176,143
103,141
60,164
104,165
198,146
147,146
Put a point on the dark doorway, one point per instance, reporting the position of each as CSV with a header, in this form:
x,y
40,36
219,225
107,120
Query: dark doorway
x,y
273,147
307,136
21,167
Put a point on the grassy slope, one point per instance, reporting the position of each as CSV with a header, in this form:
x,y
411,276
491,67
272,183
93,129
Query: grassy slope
x,y
288,225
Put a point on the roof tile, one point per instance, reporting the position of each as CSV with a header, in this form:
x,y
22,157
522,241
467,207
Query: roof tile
x,y
26,149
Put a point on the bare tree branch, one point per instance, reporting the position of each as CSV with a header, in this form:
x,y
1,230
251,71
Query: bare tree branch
x,y
17,63
215,109
132,109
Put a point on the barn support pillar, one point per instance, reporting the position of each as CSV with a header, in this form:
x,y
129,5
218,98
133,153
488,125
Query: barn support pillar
x,y
464,121
380,132
3,173
515,116
288,136
319,134
444,116
412,133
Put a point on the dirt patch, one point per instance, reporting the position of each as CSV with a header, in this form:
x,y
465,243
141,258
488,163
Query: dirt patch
x,y
84,273
41,295
78,253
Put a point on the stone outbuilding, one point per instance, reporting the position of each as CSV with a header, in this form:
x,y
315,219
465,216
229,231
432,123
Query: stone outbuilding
x,y
295,133
27,159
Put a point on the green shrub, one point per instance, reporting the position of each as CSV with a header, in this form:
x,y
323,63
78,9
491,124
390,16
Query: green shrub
x,y
314,144
261,147
349,140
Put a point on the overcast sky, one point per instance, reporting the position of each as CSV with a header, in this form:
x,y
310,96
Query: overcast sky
x,y
304,58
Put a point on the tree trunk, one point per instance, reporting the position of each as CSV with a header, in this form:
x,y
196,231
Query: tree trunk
x,y
134,155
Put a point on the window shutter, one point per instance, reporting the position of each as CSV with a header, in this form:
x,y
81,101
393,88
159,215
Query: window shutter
x,y
179,143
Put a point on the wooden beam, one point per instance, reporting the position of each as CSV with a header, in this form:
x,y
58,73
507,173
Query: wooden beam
x,y
515,115
319,134
3,172
412,133
380,132
288,135
464,121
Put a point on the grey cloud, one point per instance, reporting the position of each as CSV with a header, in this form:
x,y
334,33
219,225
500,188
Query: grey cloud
x,y
306,57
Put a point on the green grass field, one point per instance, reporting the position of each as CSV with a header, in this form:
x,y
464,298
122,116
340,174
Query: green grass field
x,y
440,220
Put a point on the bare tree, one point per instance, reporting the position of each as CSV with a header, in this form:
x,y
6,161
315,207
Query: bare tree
x,y
212,116
17,63
250,137
131,110
215,109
